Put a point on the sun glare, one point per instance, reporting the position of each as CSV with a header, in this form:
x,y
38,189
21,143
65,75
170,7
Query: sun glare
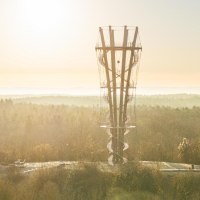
x,y
43,16
41,32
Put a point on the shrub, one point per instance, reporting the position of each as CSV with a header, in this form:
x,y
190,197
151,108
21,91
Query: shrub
x,y
6,190
135,177
186,186
87,184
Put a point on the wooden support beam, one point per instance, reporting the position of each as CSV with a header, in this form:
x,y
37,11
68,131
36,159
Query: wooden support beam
x,y
129,74
107,75
114,94
121,108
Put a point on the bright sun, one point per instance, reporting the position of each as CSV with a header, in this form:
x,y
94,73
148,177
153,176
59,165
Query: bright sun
x,y
42,29
43,18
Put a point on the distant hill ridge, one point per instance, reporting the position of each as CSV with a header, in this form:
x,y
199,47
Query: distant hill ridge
x,y
171,100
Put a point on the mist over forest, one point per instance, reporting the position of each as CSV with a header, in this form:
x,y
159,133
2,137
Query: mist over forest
x,y
40,129
46,129
171,100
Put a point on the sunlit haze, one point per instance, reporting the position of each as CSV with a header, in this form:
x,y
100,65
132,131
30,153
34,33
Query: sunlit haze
x,y
50,44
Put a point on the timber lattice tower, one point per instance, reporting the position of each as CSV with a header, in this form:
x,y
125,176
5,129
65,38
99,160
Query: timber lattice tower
x,y
118,53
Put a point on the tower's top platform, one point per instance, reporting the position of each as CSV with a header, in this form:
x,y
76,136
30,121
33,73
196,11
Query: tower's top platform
x,y
118,33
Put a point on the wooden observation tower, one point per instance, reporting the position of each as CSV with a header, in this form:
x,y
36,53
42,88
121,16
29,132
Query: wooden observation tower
x,y
118,52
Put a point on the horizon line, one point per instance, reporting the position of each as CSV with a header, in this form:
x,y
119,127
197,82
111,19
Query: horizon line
x,y
86,91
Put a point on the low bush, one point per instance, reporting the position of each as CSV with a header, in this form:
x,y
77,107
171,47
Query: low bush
x,y
129,182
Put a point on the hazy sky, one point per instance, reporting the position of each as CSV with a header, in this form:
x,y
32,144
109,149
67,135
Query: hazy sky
x,y
51,43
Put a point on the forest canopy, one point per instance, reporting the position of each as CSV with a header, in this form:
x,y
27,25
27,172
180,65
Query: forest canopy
x,y
67,132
